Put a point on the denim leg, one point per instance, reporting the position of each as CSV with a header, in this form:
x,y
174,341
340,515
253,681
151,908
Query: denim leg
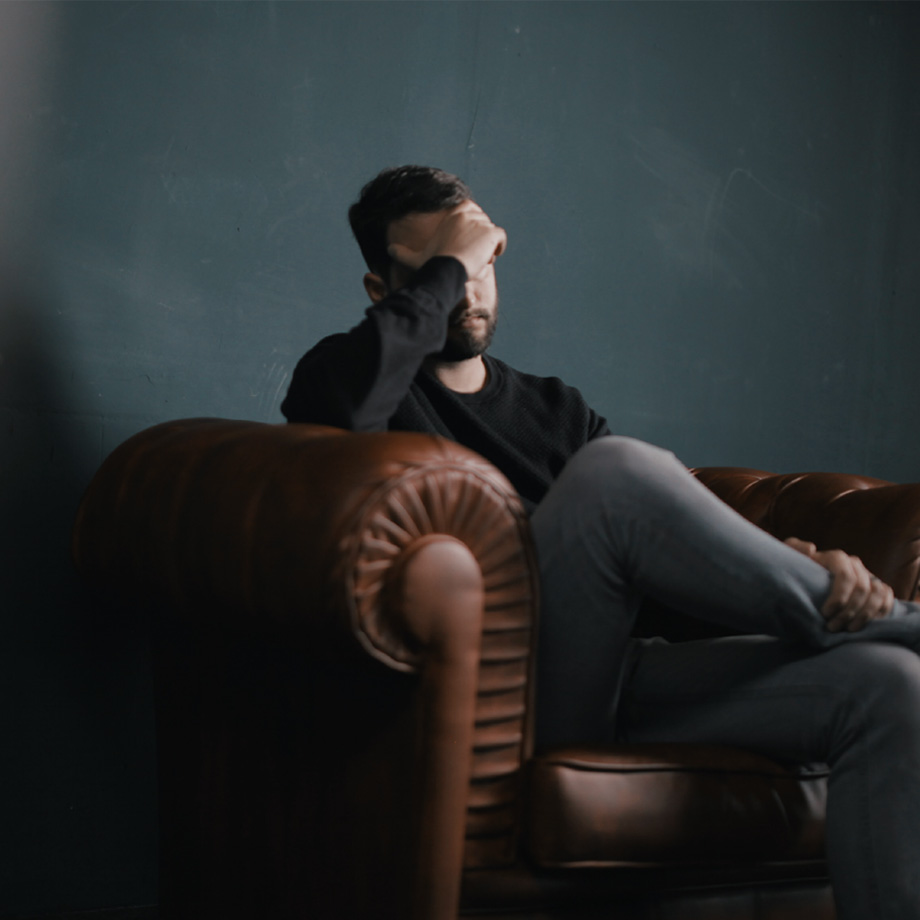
x,y
625,519
855,707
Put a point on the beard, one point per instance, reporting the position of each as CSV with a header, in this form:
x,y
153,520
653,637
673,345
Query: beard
x,y
464,343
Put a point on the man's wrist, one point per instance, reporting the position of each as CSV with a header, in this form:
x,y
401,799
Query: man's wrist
x,y
438,266
444,277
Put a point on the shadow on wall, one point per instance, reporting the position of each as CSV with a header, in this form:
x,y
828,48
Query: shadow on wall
x,y
75,699
77,774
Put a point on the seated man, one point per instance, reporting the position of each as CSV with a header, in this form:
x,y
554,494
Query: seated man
x,y
828,671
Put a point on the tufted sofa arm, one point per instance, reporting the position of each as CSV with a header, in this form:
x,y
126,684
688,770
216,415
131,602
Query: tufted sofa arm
x,y
261,518
364,553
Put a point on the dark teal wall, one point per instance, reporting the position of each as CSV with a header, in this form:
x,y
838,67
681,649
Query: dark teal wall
x,y
712,212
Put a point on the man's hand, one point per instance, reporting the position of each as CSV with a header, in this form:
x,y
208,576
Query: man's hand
x,y
856,597
464,232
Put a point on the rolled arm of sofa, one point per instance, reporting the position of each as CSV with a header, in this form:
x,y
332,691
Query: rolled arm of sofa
x,y
362,553
298,528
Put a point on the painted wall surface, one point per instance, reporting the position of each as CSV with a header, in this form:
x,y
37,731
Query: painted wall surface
x,y
713,219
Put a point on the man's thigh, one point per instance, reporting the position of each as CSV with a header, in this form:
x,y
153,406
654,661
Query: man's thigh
x,y
760,693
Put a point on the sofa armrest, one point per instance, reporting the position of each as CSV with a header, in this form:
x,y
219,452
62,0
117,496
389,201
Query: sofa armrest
x,y
876,520
260,521
338,558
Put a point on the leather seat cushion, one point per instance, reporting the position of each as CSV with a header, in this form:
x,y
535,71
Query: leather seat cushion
x,y
660,805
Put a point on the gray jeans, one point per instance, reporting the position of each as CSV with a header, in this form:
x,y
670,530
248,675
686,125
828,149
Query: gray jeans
x,y
625,520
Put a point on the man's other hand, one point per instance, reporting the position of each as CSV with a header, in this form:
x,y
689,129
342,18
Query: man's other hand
x,y
464,232
856,597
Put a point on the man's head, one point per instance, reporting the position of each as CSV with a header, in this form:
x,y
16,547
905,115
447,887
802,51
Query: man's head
x,y
407,205
393,194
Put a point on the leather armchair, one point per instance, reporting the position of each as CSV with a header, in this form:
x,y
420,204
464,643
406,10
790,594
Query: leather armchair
x,y
343,631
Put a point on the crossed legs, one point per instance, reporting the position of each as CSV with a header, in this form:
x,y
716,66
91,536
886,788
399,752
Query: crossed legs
x,y
625,519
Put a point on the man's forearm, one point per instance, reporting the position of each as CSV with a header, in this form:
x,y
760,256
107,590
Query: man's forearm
x,y
357,379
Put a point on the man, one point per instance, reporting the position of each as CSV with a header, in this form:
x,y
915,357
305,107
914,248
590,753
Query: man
x,y
832,674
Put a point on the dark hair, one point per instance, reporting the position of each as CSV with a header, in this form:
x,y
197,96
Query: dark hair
x,y
391,195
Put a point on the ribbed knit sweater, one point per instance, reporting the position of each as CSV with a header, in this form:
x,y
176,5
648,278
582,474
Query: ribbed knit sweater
x,y
372,379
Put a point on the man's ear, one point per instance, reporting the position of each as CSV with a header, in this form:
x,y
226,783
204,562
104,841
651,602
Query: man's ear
x,y
375,287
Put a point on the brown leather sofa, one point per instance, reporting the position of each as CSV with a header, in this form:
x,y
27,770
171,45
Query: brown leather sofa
x,y
343,634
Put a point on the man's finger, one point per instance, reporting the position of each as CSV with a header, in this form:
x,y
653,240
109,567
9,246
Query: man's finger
x,y
409,258
845,579
802,546
877,606
862,602
856,595
855,612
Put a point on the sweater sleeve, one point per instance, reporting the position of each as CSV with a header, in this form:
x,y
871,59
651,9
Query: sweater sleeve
x,y
597,425
355,380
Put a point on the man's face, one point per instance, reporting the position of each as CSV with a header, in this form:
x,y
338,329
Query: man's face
x,y
472,322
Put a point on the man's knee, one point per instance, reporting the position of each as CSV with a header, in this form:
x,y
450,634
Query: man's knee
x,y
618,461
610,479
895,673
883,683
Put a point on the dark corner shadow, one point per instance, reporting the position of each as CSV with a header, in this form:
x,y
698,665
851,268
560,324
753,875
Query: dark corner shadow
x,y
77,705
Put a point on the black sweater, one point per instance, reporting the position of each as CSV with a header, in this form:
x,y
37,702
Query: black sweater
x,y
372,379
